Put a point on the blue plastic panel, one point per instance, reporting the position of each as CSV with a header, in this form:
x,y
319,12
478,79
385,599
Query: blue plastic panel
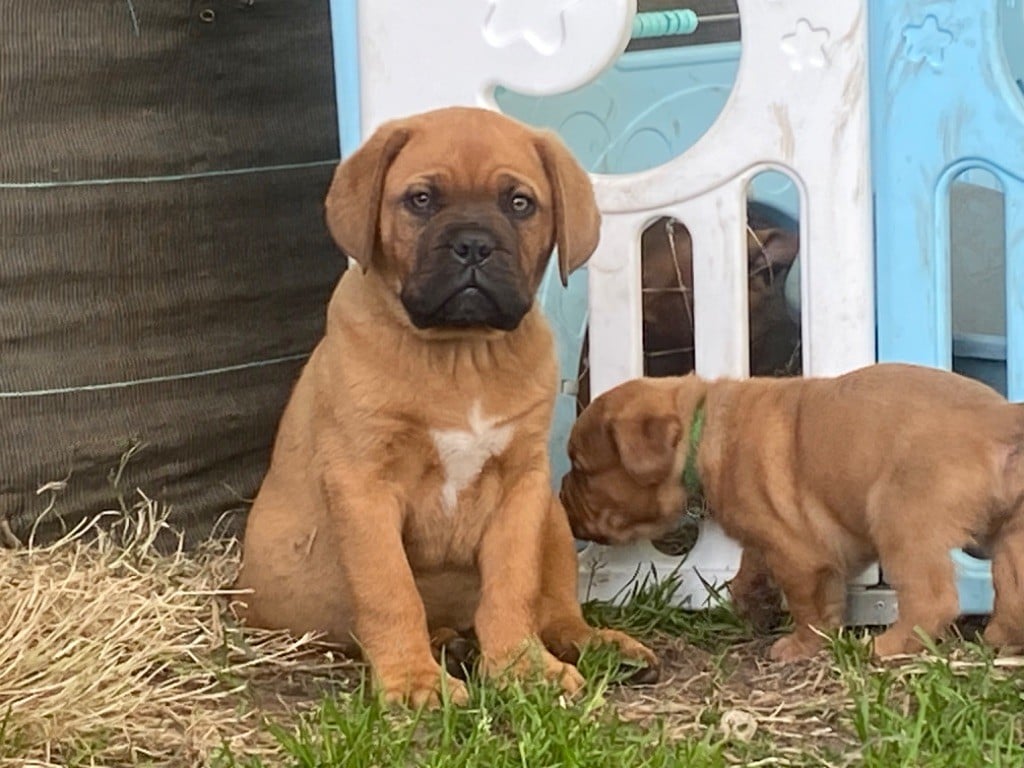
x,y
345,34
944,100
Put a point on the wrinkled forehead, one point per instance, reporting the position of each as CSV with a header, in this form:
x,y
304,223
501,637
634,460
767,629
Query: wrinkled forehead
x,y
474,155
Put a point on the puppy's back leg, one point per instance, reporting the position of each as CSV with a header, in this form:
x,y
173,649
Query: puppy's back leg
x,y
926,590
1006,628
290,575
913,549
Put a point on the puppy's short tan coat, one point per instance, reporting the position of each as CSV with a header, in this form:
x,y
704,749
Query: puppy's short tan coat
x,y
816,478
409,487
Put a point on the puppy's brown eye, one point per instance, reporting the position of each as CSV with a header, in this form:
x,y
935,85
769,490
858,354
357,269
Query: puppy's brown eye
x,y
420,200
521,205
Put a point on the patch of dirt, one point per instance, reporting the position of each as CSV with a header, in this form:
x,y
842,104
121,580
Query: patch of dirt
x,y
318,672
740,692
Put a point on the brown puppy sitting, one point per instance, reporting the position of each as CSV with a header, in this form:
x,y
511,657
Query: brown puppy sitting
x,y
816,478
409,489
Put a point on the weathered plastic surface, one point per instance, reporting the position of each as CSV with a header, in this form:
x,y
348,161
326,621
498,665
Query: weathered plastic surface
x,y
945,101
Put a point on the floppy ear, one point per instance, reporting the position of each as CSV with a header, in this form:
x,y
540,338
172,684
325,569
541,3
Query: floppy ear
x,y
577,218
353,201
647,446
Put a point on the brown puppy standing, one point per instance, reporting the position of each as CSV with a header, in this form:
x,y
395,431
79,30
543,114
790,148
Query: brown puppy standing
x,y
409,487
816,478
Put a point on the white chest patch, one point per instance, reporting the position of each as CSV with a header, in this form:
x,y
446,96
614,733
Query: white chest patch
x,y
464,452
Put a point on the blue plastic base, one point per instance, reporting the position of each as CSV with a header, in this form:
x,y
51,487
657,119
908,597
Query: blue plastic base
x,y
981,357
973,583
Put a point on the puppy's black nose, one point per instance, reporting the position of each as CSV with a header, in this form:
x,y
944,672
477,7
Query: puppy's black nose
x,y
472,246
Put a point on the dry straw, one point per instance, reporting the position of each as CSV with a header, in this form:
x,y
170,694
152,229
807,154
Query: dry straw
x,y
112,653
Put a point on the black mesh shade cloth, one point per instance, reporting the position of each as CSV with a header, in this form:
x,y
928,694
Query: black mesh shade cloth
x,y
164,266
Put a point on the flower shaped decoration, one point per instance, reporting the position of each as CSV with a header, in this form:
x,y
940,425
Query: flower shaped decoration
x,y
541,23
805,46
926,41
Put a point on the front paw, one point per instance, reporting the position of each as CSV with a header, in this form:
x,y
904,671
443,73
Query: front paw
x,y
634,650
566,640
1004,635
532,661
426,685
626,645
894,642
795,647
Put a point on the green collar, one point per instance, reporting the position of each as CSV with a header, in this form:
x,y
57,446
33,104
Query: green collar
x,y
691,477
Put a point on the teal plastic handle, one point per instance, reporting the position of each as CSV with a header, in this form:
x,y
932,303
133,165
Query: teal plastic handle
x,y
681,21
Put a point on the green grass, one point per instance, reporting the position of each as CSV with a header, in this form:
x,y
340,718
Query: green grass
x,y
647,608
517,726
947,710
953,708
